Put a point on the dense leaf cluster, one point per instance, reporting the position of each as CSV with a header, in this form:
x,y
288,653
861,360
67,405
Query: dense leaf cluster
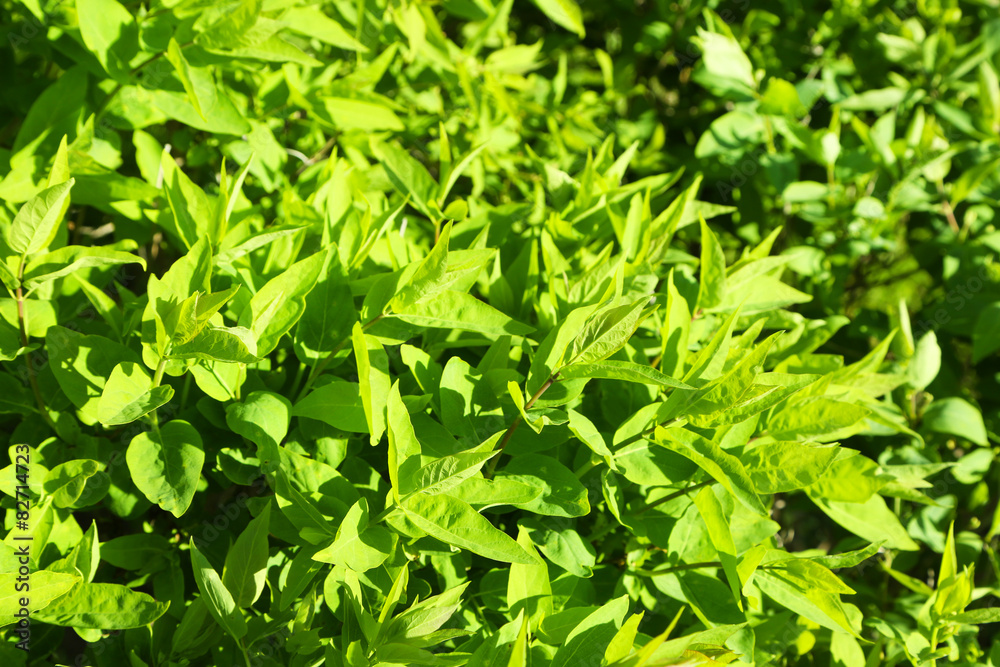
x,y
393,332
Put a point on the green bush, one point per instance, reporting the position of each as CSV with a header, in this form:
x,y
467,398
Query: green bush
x,y
390,332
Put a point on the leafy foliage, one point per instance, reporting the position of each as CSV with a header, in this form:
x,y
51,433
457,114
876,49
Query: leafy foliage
x,y
472,333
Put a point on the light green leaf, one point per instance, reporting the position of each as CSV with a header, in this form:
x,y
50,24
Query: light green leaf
x,y
592,635
166,465
719,464
110,32
454,522
612,369
34,225
128,395
606,332
192,209
712,270
447,472
45,587
565,13
350,114
409,177
197,82
70,259
956,416
404,449
374,381
229,344
722,538
359,545
817,605
871,520
262,418
562,493
278,305
245,571
427,280
817,418
777,467
457,310
528,586
66,482
217,598
103,607
311,21
337,403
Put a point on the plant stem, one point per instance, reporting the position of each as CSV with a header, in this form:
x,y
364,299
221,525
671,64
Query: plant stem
x,y
517,421
321,366
675,568
639,436
22,326
386,512
243,649
676,494
585,468
157,379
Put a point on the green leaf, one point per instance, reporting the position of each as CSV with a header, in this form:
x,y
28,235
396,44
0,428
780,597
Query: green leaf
x,y
712,277
976,616
719,464
565,13
217,598
34,226
562,493
871,520
428,278
328,314
374,381
110,32
724,69
404,449
613,369
528,586
197,83
817,418
956,416
192,209
228,344
66,482
850,558
606,332
802,597
337,403
279,304
359,545
722,538
231,26
128,395
262,418
562,546
81,365
447,472
245,571
457,310
70,259
103,607
166,465
311,21
192,314
408,176
592,635
925,364
777,467
454,522
45,587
